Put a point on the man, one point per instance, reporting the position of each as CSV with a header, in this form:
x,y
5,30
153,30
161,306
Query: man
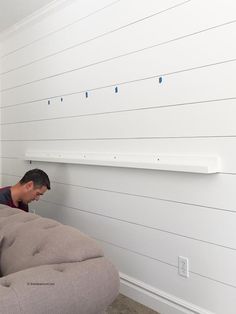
x,y
33,184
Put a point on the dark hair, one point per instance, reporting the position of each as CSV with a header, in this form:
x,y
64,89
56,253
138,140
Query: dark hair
x,y
38,176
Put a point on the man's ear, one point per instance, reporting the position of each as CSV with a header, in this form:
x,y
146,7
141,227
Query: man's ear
x,y
29,185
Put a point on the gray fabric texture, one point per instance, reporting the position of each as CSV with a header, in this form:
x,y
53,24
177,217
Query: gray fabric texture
x,y
48,267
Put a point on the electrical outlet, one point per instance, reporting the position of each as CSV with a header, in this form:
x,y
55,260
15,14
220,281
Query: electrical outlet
x,y
183,266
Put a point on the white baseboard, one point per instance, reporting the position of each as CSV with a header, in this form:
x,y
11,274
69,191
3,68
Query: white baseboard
x,y
156,299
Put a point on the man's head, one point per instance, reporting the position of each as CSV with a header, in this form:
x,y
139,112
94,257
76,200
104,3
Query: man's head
x,y
33,184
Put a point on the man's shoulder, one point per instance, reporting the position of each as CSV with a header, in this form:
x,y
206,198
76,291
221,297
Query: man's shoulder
x,y
5,196
5,189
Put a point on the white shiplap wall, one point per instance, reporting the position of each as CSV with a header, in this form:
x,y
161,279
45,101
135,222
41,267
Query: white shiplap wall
x,y
144,219
0,115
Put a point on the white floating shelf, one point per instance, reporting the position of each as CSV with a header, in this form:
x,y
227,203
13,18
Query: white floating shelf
x,y
184,163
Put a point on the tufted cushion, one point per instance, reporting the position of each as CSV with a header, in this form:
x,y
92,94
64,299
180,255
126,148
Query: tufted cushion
x,y
48,267
75,288
30,240
6,211
1,241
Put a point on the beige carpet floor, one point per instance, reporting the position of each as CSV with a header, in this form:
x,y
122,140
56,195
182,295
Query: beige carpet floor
x,y
124,305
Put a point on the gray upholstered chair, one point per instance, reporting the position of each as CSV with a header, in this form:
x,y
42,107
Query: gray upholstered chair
x,y
48,267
